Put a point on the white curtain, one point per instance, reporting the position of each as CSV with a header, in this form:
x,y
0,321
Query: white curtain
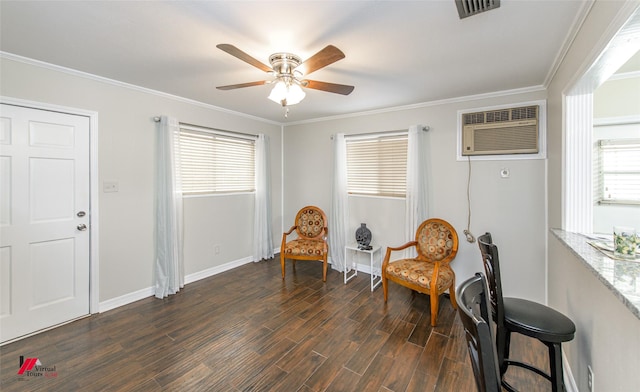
x,y
263,237
169,266
417,201
339,215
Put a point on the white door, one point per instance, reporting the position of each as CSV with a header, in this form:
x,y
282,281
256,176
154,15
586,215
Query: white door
x,y
44,219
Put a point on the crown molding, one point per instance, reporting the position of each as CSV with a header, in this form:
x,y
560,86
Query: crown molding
x,y
101,79
625,75
467,98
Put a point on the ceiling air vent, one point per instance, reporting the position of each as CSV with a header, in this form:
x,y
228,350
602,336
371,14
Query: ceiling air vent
x,y
471,7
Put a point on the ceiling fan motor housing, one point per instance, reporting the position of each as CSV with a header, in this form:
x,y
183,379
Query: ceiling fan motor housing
x,y
284,63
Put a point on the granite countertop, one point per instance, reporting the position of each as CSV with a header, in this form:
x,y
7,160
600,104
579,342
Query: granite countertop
x,y
619,276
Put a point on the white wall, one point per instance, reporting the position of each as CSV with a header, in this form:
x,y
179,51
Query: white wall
x,y
512,209
606,334
617,98
126,155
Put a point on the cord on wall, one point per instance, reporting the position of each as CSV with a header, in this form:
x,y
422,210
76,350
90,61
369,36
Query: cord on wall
x,y
467,232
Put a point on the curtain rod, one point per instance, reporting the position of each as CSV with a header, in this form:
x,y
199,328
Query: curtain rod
x,y
219,131
424,128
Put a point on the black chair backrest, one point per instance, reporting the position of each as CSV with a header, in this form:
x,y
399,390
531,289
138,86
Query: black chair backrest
x,y
491,263
473,308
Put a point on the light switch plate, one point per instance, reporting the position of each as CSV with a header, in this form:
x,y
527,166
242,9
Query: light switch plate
x,y
110,186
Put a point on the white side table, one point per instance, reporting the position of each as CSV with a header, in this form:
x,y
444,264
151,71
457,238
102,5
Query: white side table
x,y
375,261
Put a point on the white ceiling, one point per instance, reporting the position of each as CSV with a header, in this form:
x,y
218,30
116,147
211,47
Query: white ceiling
x,y
398,53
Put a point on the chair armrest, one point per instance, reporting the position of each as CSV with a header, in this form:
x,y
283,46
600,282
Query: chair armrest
x,y
290,230
390,249
284,237
401,247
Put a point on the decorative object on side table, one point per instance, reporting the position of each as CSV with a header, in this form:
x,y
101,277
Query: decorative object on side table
x,y
363,237
625,242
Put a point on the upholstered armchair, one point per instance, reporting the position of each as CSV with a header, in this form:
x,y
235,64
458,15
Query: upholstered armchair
x,y
429,272
311,242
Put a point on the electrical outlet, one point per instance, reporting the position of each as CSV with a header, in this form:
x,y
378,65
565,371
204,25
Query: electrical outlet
x,y
216,249
590,378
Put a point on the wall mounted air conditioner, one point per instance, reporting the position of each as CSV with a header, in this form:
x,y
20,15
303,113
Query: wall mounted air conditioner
x,y
503,131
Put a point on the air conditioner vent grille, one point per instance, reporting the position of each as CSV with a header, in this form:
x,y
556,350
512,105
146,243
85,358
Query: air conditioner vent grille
x,y
524,113
498,116
503,115
473,118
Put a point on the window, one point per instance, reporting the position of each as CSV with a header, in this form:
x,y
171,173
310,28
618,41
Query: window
x,y
377,166
618,168
213,162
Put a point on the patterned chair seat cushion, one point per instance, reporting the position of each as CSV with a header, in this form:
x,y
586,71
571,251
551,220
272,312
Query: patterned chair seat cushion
x,y
420,272
304,247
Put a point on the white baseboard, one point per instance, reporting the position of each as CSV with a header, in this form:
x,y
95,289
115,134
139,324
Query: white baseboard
x,y
216,270
126,299
569,381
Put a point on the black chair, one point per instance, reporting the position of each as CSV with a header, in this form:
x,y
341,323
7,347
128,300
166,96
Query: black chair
x,y
473,308
525,317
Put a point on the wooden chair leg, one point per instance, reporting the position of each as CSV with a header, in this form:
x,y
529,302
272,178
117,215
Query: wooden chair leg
x,y
282,264
503,341
385,288
555,366
452,295
434,309
324,269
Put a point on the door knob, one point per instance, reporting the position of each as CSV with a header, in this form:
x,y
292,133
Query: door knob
x,y
82,227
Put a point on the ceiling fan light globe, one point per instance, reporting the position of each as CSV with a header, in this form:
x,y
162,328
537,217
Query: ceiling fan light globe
x,y
279,92
285,95
295,94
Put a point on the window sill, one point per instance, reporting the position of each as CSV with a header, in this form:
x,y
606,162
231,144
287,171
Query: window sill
x,y
622,278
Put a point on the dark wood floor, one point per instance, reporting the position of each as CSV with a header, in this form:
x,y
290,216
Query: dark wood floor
x,y
248,330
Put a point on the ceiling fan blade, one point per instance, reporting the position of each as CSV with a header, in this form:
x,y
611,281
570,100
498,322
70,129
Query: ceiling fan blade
x,y
241,85
330,87
232,50
329,55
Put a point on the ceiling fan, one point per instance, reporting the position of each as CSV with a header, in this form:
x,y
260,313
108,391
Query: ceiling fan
x,y
289,72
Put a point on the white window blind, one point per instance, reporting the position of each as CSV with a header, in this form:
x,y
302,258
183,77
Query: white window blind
x,y
619,171
216,162
377,165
